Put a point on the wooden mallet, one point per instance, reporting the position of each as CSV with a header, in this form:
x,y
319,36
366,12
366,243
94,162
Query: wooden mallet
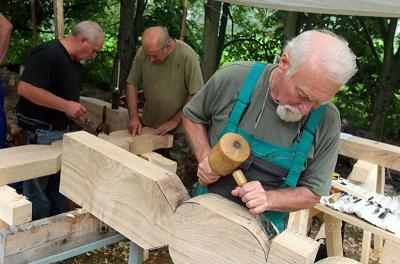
x,y
228,154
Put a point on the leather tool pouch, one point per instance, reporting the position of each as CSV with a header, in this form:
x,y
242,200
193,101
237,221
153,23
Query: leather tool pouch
x,y
255,169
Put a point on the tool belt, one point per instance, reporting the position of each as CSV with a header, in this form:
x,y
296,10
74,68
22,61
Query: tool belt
x,y
32,125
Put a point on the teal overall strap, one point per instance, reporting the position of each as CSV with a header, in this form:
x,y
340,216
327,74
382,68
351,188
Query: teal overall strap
x,y
243,100
239,107
303,147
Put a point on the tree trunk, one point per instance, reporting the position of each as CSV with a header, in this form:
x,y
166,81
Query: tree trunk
x,y
211,23
34,24
183,22
127,35
222,33
388,83
289,25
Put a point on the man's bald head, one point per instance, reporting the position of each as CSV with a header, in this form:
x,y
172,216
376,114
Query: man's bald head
x,y
156,37
157,44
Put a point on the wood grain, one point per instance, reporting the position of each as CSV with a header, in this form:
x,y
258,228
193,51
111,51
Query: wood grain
x,y
132,195
212,229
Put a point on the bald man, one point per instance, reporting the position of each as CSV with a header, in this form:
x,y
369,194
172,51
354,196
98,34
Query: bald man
x,y
170,75
284,112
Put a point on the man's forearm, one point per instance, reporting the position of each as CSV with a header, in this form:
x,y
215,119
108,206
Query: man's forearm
x,y
42,97
132,99
290,199
197,136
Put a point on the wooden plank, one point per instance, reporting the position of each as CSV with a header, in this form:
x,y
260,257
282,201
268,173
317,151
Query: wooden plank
x,y
349,190
375,152
333,235
212,229
291,247
144,143
128,193
58,18
14,208
28,162
163,162
45,237
359,223
117,119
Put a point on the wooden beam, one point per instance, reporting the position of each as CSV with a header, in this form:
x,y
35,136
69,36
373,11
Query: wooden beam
x,y
144,143
291,247
161,161
117,119
48,236
128,193
14,208
58,18
28,162
375,152
212,229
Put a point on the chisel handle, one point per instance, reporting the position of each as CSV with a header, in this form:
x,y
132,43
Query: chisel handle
x,y
239,177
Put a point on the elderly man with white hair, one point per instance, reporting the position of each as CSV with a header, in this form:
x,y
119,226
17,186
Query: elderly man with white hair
x,y
285,114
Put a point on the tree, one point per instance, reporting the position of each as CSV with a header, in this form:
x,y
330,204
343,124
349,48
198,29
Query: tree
x,y
212,10
131,11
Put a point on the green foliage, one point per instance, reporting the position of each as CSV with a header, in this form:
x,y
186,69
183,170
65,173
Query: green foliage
x,y
252,34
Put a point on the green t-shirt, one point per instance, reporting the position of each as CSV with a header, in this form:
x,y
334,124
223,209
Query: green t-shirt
x,y
212,105
166,86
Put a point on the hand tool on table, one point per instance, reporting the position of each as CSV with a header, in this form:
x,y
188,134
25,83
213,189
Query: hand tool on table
x,y
225,158
103,127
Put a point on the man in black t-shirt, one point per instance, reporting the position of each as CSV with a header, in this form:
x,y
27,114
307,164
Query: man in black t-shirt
x,y
49,100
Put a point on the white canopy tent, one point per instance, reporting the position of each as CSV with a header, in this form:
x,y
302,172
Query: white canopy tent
x,y
375,8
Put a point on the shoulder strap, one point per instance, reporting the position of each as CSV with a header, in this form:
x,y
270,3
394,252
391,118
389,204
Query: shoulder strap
x,y
303,146
243,99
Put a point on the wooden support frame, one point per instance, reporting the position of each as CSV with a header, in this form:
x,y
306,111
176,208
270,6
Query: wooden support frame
x,y
379,153
43,238
29,161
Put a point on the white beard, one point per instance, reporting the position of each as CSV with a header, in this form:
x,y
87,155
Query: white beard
x,y
82,62
289,113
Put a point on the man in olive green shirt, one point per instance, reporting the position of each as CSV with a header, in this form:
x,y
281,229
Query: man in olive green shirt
x,y
169,71
311,70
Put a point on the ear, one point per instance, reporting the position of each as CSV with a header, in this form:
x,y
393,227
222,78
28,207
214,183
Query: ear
x,y
284,62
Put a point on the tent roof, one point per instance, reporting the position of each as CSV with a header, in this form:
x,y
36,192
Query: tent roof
x,y
376,8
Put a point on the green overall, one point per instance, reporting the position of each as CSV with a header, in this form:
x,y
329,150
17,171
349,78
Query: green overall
x,y
296,154
291,159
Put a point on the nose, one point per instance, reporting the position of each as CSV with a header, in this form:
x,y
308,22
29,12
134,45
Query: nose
x,y
305,108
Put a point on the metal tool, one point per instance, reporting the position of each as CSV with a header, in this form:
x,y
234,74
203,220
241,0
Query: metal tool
x,y
103,127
